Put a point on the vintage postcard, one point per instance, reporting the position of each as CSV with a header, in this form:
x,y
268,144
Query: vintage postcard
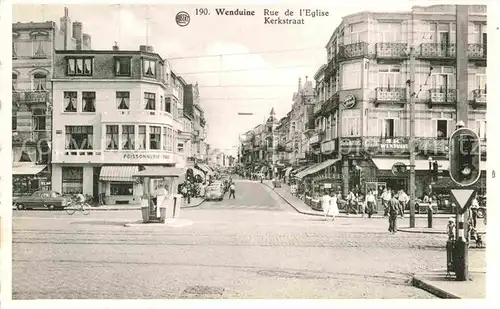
x,y
249,151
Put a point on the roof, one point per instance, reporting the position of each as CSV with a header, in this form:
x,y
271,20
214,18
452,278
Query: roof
x,y
106,52
34,26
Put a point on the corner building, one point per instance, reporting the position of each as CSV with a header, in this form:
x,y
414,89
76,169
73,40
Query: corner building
x,y
113,112
362,110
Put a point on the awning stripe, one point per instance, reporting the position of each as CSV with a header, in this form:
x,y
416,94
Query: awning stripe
x,y
287,171
118,173
321,166
305,172
27,169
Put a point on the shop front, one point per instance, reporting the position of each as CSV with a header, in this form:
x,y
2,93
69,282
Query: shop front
x,y
118,186
28,177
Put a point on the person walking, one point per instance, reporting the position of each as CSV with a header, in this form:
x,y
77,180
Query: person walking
x,y
325,203
403,200
386,197
393,207
474,208
161,199
232,189
370,203
351,202
334,208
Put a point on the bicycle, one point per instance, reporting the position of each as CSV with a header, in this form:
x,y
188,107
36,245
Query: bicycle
x,y
84,208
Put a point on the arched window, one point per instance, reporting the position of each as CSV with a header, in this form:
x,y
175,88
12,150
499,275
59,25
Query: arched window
x,y
14,81
39,81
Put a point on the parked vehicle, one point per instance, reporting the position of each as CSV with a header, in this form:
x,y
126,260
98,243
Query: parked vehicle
x,y
214,193
481,212
42,199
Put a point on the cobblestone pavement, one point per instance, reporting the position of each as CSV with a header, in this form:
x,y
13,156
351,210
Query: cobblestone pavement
x,y
226,253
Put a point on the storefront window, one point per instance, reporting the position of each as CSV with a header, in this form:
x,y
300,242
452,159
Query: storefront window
x,y
72,180
121,188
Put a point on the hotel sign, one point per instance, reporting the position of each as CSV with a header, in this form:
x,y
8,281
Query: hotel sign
x,y
350,145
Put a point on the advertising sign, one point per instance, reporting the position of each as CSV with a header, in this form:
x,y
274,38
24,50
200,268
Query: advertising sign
x,y
349,101
350,145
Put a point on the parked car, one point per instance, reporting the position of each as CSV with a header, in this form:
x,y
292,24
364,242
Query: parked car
x,y
214,193
42,199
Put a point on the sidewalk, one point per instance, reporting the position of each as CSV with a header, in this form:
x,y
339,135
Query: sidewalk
x,y
437,283
301,207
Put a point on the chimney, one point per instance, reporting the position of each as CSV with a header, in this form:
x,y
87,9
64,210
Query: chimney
x,y
66,29
78,34
87,42
146,48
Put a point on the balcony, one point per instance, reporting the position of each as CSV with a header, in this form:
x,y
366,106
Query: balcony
x,y
437,51
315,139
203,122
432,145
310,127
395,51
77,156
479,96
353,51
317,107
330,67
30,97
442,96
477,51
30,136
390,96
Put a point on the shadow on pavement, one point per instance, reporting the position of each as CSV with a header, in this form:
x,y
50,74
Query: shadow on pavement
x,y
101,222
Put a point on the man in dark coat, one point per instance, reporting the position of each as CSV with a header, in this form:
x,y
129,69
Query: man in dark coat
x,y
393,207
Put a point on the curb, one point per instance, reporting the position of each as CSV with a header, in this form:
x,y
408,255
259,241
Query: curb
x,y
409,230
192,206
296,209
421,284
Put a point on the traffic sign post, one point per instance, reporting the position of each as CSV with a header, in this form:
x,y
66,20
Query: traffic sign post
x,y
465,160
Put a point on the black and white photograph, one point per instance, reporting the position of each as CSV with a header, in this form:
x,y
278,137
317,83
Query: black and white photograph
x,y
249,151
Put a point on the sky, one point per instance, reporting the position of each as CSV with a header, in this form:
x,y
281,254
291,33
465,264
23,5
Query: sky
x,y
265,76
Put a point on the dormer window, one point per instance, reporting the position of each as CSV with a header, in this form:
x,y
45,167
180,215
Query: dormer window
x,y
122,66
149,68
80,66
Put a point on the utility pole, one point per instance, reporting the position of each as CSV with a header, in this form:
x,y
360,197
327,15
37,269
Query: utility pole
x,y
462,21
411,142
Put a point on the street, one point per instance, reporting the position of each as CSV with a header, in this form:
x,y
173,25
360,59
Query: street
x,y
255,246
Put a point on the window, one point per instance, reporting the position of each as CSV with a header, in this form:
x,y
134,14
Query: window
x,y
121,188
150,100
122,66
162,103
80,66
353,71
39,82
88,99
154,137
389,32
388,129
39,119
168,104
149,67
443,78
123,99
164,140
79,137
112,137
72,180
180,147
480,81
128,137
14,122
389,76
359,32
40,46
142,137
70,98
351,123
14,81
442,128
481,129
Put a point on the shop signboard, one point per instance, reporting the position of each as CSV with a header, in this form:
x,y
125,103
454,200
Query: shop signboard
x,y
397,144
327,185
328,147
350,145
399,169
139,157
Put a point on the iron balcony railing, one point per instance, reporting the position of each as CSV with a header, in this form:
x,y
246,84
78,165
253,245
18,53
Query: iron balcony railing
x,y
477,51
479,96
390,94
443,95
30,96
31,136
352,51
437,51
392,50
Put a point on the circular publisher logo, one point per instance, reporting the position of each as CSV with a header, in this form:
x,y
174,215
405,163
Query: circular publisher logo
x,y
349,101
182,19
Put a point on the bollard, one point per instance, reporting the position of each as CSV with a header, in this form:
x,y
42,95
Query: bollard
x,y
429,217
461,268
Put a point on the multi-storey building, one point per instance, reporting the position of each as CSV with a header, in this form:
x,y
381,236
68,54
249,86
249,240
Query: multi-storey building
x,y
362,108
185,132
283,147
113,111
33,53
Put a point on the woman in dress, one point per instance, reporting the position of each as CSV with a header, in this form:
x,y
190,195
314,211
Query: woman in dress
x,y
334,208
161,199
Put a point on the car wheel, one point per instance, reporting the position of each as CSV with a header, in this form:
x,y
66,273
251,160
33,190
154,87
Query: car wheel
x,y
51,207
20,206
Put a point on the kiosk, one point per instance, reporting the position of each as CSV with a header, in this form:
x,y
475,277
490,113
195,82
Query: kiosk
x,y
150,179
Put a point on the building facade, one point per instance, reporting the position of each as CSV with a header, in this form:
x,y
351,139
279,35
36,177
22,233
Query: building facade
x,y
33,54
113,112
362,111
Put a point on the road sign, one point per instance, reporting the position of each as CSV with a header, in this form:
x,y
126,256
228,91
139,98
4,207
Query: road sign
x,y
399,168
463,197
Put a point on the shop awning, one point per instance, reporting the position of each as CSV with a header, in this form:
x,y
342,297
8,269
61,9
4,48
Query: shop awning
x,y
161,171
298,170
204,168
321,166
118,172
306,171
26,168
287,171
